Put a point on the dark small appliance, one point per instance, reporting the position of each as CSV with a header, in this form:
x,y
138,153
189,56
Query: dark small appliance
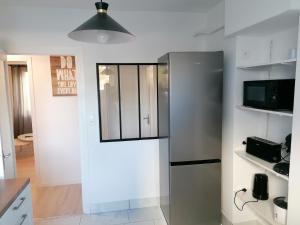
x,y
282,168
264,149
288,142
270,94
260,187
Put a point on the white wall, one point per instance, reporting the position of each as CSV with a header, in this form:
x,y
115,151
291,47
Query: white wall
x,y
294,178
215,22
215,41
295,4
227,131
244,13
110,171
56,126
215,18
130,170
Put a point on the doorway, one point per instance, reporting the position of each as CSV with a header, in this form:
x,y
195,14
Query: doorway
x,y
42,140
19,92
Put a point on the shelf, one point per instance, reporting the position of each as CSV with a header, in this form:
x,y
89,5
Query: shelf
x,y
261,163
287,62
279,113
264,209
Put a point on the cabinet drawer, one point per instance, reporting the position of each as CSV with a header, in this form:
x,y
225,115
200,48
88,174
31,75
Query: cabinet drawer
x,y
20,211
23,219
23,201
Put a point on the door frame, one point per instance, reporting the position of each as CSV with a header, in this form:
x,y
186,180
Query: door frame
x,y
84,153
7,128
28,60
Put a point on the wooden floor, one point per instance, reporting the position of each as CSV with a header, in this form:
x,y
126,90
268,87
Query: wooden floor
x,y
50,201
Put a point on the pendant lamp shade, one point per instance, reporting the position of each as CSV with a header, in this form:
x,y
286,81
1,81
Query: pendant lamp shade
x,y
101,29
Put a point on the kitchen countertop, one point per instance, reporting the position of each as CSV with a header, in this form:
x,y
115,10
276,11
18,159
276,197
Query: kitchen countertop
x,y
9,191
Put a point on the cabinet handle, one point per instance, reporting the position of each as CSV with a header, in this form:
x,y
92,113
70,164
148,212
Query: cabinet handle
x,y
23,219
21,202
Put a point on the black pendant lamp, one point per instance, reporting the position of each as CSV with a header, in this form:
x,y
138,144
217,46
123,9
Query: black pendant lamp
x,y
101,29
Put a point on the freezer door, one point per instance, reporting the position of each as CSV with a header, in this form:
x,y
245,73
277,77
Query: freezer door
x,y
195,194
195,105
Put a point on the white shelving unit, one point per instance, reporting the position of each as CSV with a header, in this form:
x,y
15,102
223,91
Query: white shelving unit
x,y
288,62
279,113
261,55
261,163
264,209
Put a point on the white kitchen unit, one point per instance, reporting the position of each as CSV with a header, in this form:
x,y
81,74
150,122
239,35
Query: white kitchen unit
x,y
15,202
259,49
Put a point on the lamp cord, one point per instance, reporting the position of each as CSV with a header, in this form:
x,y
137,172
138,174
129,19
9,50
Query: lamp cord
x,y
242,208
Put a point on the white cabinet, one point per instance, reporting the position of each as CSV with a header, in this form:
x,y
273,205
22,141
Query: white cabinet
x,y
20,211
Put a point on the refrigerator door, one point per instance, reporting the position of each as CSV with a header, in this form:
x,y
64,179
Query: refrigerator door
x,y
195,194
195,105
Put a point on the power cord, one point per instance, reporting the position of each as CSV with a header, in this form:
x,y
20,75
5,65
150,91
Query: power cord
x,y
242,208
283,158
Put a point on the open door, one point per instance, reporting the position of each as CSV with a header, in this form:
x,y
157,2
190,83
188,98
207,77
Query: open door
x,y
7,149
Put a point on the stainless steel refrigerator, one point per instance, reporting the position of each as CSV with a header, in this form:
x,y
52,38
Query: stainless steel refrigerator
x,y
190,126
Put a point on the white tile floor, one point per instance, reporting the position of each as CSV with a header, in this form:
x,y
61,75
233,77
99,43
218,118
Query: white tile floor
x,y
144,216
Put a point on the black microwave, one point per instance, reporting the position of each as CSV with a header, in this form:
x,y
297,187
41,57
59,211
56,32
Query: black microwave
x,y
269,94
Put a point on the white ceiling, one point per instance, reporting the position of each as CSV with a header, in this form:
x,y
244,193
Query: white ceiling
x,y
123,5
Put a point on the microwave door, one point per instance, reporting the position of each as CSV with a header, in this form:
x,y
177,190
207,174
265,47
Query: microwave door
x,y
270,94
255,94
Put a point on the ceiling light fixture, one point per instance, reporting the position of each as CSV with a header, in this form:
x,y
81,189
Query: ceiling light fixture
x,y
101,29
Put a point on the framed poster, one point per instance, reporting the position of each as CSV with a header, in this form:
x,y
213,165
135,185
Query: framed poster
x,y
63,75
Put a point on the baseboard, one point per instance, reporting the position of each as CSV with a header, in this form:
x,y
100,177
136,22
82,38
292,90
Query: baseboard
x,y
54,183
225,221
125,205
164,222
143,203
253,222
110,206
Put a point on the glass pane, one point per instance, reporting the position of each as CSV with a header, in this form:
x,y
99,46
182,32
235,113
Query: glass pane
x,y
109,102
163,100
148,99
129,101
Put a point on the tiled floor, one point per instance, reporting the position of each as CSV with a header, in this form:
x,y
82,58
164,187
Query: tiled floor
x,y
145,216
